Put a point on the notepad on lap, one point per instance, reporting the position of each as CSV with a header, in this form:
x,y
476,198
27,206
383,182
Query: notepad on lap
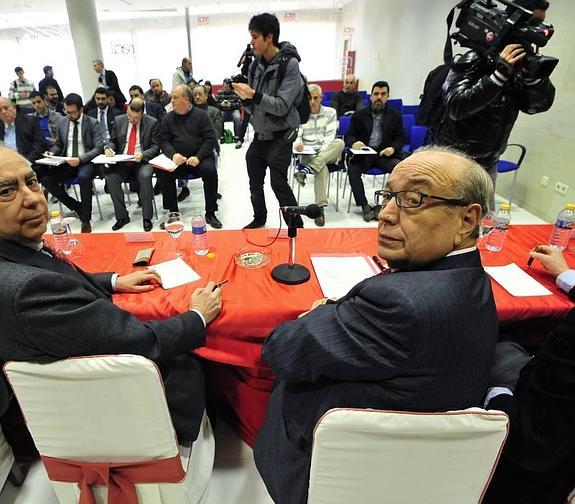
x,y
175,273
515,281
53,160
337,274
162,162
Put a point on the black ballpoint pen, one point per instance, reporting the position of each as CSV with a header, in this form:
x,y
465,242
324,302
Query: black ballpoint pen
x,y
218,285
378,262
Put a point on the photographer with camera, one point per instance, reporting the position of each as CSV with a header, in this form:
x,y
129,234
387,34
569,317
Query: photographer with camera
x,y
500,76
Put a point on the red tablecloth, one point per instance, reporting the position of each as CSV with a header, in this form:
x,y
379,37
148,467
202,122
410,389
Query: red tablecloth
x,y
253,303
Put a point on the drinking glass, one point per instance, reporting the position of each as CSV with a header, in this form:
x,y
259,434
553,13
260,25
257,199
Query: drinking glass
x,y
174,226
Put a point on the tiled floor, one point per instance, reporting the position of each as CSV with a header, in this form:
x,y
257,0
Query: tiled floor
x,y
235,479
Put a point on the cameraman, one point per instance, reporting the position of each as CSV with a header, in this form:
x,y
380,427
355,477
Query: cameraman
x,y
275,119
483,99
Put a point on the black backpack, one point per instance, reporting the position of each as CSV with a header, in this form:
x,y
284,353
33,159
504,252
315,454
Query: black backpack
x,y
303,106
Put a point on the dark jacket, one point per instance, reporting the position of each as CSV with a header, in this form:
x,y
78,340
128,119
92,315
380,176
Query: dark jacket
x,y
112,83
155,110
50,81
110,115
149,136
481,112
392,132
30,139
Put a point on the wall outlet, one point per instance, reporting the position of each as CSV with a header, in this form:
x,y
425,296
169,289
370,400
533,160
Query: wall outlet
x,y
561,188
544,181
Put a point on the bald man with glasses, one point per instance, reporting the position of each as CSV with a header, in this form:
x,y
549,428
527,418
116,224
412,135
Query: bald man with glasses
x,y
396,340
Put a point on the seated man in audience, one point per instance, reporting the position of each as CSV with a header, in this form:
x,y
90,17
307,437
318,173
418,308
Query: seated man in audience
x,y
395,341
20,132
104,112
137,134
538,461
188,138
230,104
201,101
319,133
53,100
46,118
348,100
80,138
156,93
59,311
150,108
381,128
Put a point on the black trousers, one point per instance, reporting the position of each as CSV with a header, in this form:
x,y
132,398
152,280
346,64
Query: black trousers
x,y
206,170
275,154
360,164
52,177
124,172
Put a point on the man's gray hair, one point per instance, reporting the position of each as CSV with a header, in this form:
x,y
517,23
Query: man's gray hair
x,y
97,61
314,87
186,91
475,187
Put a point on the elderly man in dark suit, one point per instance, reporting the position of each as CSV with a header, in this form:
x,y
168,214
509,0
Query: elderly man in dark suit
x,y
59,311
20,132
108,79
381,128
79,138
395,341
135,134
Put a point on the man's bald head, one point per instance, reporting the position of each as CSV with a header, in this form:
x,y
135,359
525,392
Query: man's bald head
x,y
7,110
349,83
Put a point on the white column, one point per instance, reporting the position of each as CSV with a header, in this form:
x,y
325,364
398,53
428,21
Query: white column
x,y
86,36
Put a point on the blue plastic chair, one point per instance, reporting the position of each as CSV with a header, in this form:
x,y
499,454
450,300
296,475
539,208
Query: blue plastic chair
x,y
408,123
504,166
418,137
395,103
344,122
410,109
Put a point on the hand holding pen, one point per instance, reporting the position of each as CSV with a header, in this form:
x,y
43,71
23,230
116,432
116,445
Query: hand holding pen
x,y
551,257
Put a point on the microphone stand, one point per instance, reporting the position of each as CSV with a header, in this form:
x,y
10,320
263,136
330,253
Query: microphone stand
x,y
291,273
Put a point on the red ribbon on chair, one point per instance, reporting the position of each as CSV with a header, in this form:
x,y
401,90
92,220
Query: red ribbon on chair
x,y
120,478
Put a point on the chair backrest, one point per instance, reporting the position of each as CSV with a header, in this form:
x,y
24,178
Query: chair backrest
x,y
99,409
408,122
6,459
344,122
395,103
504,165
418,136
410,109
373,456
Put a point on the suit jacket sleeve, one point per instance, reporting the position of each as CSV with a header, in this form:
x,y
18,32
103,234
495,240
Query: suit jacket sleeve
x,y
154,148
97,141
397,134
367,336
38,142
63,319
354,132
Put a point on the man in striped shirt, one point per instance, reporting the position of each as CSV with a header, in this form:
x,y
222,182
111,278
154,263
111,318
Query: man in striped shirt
x,y
319,134
20,90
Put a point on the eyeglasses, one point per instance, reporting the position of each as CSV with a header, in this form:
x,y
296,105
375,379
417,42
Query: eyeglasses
x,y
412,199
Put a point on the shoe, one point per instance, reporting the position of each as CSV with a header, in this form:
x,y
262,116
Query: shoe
x,y
368,213
218,196
239,144
255,224
376,209
184,193
163,226
222,140
86,227
213,221
320,221
53,200
148,225
120,223
300,178
157,189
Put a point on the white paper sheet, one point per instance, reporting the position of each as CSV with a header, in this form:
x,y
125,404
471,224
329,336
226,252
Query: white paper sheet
x,y
53,160
163,163
306,150
515,281
175,273
339,273
363,150
118,158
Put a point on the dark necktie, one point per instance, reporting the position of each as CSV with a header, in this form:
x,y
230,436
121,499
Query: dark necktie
x,y
75,140
103,124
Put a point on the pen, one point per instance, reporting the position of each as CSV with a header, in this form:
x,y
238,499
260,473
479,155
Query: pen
x,y
217,286
530,260
378,262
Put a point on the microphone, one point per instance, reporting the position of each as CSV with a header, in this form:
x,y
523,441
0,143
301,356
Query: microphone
x,y
312,211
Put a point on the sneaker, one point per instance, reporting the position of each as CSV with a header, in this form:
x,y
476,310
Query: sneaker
x,y
300,178
368,213
320,221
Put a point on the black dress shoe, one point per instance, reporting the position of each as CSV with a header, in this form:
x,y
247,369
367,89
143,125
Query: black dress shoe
x,y
184,193
213,221
86,227
157,189
255,224
148,225
163,226
218,196
120,224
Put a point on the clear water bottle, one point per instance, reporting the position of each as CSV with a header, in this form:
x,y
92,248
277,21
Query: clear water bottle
x,y
563,226
61,232
199,235
501,222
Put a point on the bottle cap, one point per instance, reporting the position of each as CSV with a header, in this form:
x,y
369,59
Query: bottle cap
x,y
570,206
56,213
505,206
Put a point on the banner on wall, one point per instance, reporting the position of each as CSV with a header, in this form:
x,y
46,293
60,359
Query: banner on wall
x,y
350,63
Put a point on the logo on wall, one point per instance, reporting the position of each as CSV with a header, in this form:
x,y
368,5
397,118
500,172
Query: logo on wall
x,y
290,16
203,20
349,30
118,49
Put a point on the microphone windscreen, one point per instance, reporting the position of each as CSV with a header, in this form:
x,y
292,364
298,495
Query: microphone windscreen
x,y
313,211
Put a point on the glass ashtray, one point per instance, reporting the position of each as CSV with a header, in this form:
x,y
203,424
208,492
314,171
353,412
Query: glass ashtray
x,y
251,258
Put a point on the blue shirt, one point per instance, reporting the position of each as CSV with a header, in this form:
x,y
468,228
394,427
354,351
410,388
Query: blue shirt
x,y
10,136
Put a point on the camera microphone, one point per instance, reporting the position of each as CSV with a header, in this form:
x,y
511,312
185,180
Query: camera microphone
x,y
312,211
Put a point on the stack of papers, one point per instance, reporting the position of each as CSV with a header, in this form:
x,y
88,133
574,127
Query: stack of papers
x,y
337,274
118,158
53,160
306,150
515,281
175,273
163,163
363,150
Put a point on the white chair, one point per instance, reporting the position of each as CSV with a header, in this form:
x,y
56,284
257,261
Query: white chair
x,y
6,459
96,411
373,456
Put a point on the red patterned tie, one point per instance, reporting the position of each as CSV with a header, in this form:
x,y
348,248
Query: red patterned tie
x,y
132,140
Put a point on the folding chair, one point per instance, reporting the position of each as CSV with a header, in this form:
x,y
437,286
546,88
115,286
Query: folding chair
x,y
508,166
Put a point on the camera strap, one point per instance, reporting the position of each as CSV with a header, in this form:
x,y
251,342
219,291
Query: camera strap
x,y
448,50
